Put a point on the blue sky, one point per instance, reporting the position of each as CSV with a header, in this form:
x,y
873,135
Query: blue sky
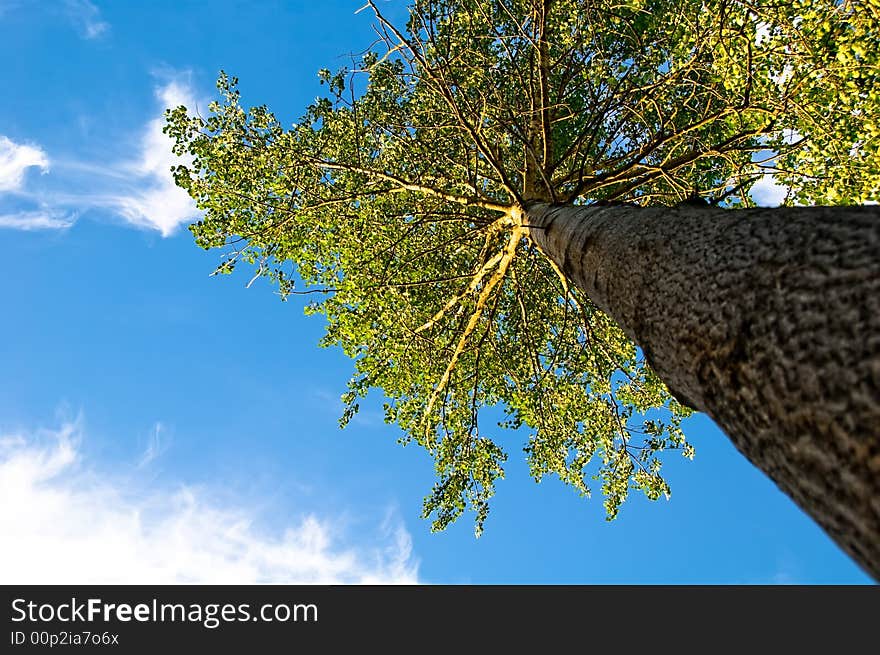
x,y
161,425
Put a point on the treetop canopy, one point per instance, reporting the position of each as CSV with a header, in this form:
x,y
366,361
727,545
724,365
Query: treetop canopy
x,y
398,204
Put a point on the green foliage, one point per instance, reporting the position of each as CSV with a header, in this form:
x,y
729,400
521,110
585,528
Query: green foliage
x,y
395,200
837,160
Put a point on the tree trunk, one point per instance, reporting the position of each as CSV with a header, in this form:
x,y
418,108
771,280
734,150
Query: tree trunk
x,y
768,320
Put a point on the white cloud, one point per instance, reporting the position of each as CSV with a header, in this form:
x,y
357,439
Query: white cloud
x,y
63,522
156,445
37,220
15,159
767,193
139,188
87,18
155,201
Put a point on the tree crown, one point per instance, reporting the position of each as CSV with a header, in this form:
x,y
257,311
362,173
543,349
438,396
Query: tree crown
x,y
398,202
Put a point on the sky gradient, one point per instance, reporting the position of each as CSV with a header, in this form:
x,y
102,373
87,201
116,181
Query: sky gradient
x,y
161,425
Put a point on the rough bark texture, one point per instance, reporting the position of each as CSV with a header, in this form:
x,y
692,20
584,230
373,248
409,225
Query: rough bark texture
x,y
768,320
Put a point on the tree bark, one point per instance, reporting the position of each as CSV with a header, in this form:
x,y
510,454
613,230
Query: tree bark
x,y
767,320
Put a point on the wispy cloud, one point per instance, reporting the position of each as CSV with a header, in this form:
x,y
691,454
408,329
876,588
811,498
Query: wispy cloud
x,y
156,445
786,572
86,17
63,521
137,187
155,201
15,159
37,220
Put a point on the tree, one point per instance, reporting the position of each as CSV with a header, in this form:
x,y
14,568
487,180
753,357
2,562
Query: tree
x,y
541,207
